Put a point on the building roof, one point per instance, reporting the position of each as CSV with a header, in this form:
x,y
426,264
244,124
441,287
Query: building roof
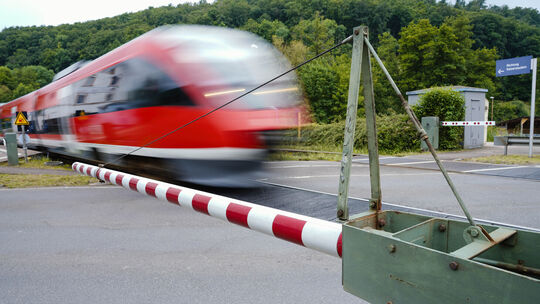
x,y
454,88
517,121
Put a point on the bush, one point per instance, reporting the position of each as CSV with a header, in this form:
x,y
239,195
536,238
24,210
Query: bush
x,y
395,134
506,110
448,105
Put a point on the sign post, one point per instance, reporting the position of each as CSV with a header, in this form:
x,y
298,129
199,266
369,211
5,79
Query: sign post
x,y
517,66
533,101
22,121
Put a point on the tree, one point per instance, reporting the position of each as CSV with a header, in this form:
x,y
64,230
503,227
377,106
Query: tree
x,y
509,110
22,89
20,81
448,105
6,78
415,47
5,94
326,84
267,29
295,51
318,33
385,97
431,56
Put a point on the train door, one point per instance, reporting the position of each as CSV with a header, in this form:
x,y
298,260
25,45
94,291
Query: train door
x,y
65,106
13,117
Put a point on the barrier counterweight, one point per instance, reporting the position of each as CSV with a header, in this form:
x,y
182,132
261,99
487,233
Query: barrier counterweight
x,y
323,236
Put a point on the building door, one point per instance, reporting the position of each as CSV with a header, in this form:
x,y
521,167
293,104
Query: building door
x,y
477,114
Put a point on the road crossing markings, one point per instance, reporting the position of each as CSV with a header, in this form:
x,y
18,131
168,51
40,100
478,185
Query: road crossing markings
x,y
494,169
411,163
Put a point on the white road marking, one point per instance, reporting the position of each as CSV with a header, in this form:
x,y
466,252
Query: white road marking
x,y
494,169
412,163
380,157
303,166
441,214
352,175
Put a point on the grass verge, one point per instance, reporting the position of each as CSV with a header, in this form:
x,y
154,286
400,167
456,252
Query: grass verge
x,y
319,152
43,180
507,159
39,162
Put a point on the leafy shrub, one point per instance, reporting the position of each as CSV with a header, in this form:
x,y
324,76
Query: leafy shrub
x,y
448,105
506,110
395,134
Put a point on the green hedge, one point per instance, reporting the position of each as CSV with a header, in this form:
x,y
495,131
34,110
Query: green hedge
x,y
448,105
395,134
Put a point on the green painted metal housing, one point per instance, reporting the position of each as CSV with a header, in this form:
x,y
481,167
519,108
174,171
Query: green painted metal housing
x,y
431,125
11,147
396,257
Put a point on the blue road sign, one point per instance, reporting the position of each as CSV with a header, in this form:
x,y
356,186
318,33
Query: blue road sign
x,y
513,66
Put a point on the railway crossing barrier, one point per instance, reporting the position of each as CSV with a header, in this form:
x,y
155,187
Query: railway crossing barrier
x,y
323,236
387,256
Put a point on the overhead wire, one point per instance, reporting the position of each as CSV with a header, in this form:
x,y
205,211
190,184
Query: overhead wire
x,y
344,41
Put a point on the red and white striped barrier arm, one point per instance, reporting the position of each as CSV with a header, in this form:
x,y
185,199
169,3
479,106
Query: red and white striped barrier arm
x,y
323,236
467,123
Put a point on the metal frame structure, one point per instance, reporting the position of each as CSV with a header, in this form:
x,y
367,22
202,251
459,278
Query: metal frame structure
x,y
396,257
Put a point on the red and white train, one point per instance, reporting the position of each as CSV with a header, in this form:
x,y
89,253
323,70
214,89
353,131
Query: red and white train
x,y
108,107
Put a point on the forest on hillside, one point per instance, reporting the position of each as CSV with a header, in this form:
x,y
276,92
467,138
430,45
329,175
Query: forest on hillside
x,y
424,43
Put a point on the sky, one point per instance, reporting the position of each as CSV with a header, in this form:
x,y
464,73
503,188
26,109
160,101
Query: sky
x,y
55,12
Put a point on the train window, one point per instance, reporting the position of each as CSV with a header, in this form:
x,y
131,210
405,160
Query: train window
x,y
90,81
81,98
44,124
114,80
143,85
131,84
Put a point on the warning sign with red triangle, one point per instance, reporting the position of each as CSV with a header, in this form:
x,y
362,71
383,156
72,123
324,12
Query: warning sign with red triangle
x,y
21,119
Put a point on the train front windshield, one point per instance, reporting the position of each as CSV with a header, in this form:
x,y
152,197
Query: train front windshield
x,y
229,63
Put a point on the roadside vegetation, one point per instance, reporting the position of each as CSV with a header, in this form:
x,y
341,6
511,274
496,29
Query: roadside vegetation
x,y
42,180
423,44
507,159
40,162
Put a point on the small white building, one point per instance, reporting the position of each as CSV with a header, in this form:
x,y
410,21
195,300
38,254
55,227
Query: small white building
x,y
476,109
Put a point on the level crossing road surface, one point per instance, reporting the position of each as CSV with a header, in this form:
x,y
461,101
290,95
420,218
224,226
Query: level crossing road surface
x,y
105,244
494,198
517,171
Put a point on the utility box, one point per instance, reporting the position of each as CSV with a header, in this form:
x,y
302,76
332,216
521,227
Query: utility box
x,y
11,148
431,125
476,108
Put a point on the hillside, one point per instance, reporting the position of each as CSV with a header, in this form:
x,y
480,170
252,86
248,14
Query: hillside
x,y
472,36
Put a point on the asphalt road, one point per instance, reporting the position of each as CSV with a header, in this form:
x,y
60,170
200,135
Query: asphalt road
x,y
494,198
104,244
